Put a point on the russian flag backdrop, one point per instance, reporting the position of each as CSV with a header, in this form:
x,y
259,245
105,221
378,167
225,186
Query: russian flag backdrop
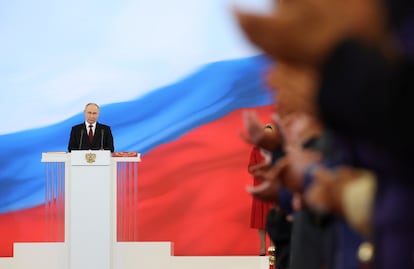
x,y
172,78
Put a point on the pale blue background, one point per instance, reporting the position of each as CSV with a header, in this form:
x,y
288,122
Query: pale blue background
x,y
55,56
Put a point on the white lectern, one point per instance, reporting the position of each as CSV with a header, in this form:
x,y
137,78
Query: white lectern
x,y
90,209
95,195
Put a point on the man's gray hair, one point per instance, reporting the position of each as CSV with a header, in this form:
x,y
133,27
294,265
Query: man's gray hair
x,y
90,104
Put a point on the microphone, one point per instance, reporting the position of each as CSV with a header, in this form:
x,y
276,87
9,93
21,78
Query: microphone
x,y
102,136
80,140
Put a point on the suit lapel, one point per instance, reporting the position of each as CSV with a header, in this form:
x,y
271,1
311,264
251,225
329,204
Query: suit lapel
x,y
95,135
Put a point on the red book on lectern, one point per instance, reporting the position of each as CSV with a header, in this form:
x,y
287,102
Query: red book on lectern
x,y
125,154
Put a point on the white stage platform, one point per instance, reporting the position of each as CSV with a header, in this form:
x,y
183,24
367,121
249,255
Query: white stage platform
x,y
128,255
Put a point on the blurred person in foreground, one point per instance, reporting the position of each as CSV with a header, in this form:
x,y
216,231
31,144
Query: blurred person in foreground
x,y
363,53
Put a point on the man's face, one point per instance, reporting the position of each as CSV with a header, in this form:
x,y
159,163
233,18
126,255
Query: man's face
x,y
91,114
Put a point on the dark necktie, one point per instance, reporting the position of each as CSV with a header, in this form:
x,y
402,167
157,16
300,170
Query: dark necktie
x,y
90,133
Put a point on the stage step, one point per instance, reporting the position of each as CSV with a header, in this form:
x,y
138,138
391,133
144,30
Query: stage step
x,y
127,255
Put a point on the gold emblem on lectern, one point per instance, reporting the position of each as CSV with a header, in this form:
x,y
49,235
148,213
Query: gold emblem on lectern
x,y
90,157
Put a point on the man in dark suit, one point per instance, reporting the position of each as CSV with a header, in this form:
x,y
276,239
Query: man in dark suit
x,y
91,134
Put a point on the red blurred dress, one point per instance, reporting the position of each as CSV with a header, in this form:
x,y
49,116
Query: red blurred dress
x,y
259,208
